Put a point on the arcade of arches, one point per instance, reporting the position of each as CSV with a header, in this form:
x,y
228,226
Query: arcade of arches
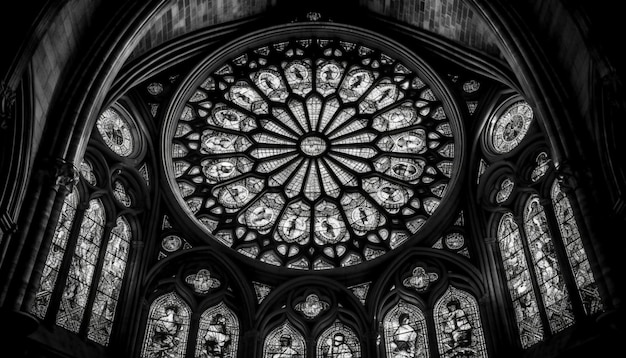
x,y
260,178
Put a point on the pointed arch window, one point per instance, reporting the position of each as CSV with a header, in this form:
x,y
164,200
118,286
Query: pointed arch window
x,y
338,340
284,339
537,274
576,254
519,281
556,299
82,267
405,331
458,325
84,270
168,327
218,335
57,251
110,283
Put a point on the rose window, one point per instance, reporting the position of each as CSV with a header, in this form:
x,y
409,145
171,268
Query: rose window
x,y
312,154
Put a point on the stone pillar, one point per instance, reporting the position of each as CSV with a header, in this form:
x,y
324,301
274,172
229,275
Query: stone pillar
x,y
35,239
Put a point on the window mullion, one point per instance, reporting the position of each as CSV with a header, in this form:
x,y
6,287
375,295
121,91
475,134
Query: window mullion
x,y
533,275
61,281
563,260
96,275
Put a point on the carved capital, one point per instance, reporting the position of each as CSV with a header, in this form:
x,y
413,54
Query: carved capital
x,y
566,176
7,106
65,174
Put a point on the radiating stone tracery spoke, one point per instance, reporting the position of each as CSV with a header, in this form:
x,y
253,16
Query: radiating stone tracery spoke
x,y
307,154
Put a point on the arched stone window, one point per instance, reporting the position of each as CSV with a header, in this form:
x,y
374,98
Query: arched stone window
x,y
167,330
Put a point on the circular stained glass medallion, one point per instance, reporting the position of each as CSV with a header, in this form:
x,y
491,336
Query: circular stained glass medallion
x,y
311,154
510,128
116,132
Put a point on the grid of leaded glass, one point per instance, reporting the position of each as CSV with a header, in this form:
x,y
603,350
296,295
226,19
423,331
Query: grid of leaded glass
x,y
284,341
506,188
509,129
86,170
218,334
82,267
110,283
312,154
458,327
121,194
55,255
338,340
548,273
116,132
405,332
519,282
576,254
261,290
543,163
167,329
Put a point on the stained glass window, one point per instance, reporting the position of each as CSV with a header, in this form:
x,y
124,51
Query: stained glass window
x,y
458,326
543,163
506,188
405,332
55,255
552,287
284,341
116,131
509,128
168,328
338,340
121,194
261,290
218,334
83,274
576,255
312,306
519,282
110,283
304,153
82,268
86,170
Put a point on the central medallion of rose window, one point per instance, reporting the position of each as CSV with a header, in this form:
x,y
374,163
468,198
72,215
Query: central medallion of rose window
x,y
313,146
312,153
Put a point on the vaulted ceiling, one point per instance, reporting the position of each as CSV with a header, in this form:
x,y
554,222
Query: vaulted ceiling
x,y
456,20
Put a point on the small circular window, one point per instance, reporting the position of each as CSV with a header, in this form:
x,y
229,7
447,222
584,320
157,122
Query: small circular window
x,y
116,131
510,127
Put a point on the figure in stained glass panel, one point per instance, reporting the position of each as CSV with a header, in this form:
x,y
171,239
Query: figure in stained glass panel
x,y
457,327
218,333
337,348
165,336
167,329
284,342
217,338
405,332
285,350
404,338
338,341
